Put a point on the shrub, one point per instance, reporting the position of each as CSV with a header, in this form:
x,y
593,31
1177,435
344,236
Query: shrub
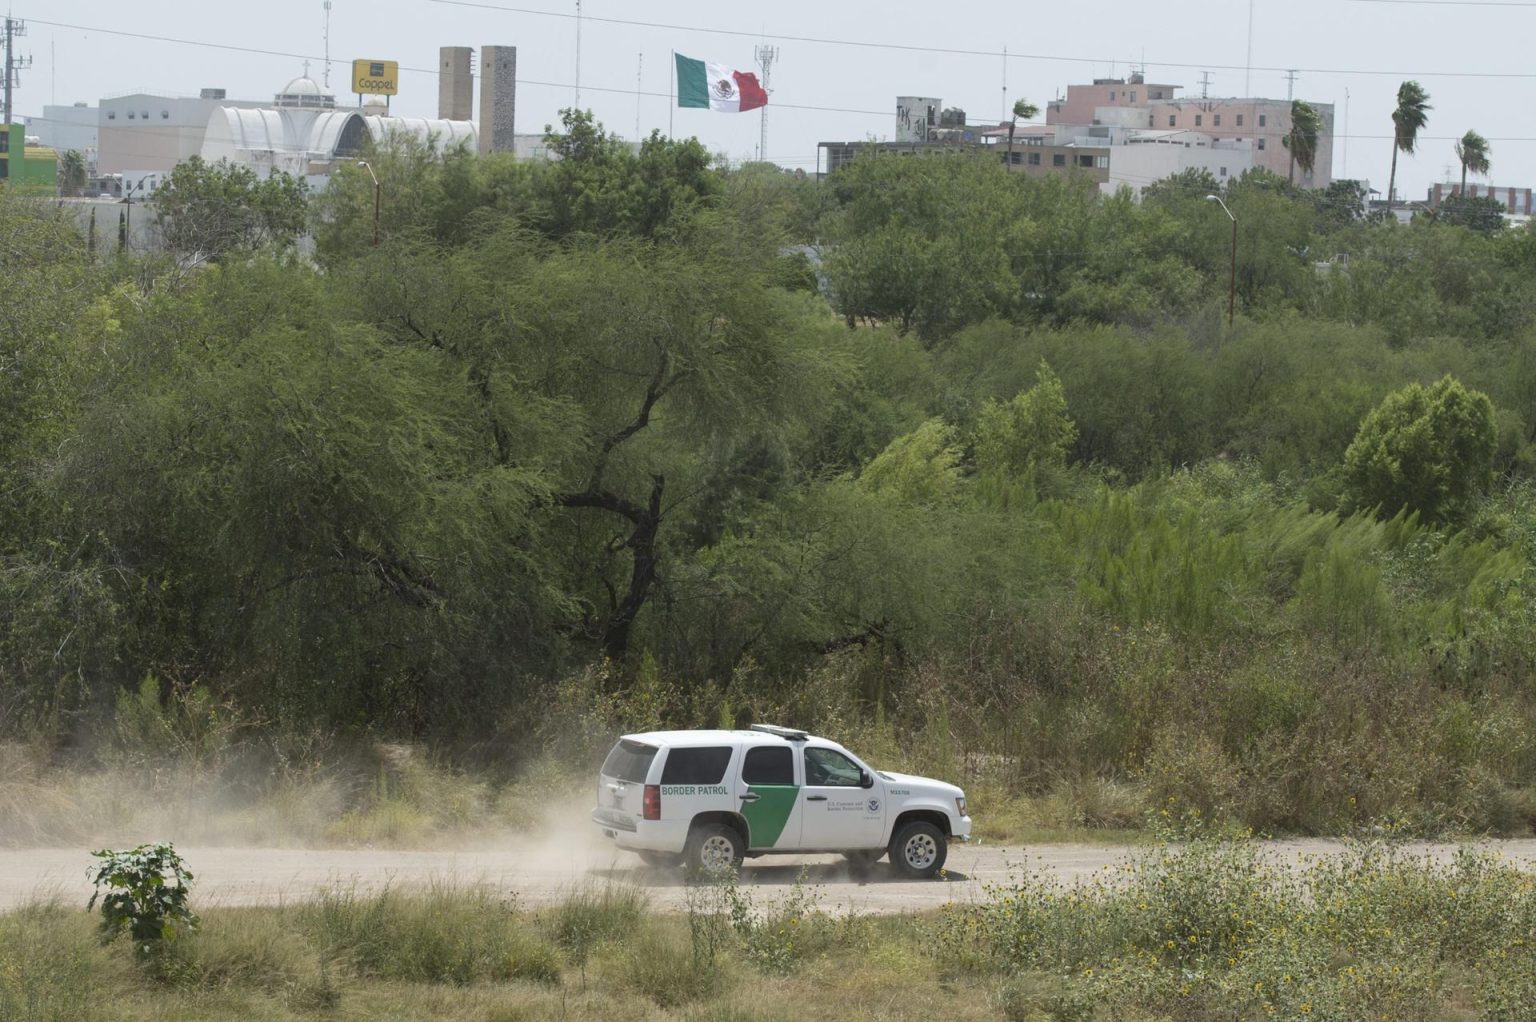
x,y
147,895
1425,449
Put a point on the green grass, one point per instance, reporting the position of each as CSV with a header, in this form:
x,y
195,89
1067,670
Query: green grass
x,y
1195,932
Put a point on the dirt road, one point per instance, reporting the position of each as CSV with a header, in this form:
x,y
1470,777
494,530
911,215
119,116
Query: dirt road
x,y
543,870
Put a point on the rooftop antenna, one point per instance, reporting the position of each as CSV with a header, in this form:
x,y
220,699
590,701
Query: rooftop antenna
x,y
1248,67
1205,84
1290,84
765,56
1004,116
327,6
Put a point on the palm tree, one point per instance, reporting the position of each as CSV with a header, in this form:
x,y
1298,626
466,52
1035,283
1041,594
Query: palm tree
x,y
1411,114
1472,150
1301,140
1021,108
72,173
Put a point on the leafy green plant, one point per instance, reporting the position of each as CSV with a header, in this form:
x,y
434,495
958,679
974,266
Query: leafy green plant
x,y
145,895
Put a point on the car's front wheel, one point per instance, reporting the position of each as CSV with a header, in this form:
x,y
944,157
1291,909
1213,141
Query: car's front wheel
x,y
713,848
918,849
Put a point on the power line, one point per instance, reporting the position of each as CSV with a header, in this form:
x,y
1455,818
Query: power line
x,y
953,51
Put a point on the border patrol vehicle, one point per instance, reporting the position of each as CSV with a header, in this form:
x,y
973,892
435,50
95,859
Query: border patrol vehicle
x,y
710,798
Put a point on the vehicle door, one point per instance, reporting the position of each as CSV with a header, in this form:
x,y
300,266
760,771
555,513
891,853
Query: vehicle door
x,y
769,796
621,783
840,811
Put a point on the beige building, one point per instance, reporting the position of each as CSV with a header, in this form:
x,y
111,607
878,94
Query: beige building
x,y
1260,123
141,133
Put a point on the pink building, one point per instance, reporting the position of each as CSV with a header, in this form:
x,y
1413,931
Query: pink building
x,y
1517,201
1136,103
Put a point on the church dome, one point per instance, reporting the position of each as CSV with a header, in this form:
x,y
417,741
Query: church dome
x,y
304,92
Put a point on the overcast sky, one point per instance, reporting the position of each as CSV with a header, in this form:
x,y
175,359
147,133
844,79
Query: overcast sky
x,y
1473,58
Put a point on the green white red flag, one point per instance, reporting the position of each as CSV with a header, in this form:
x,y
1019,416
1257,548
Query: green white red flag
x,y
701,84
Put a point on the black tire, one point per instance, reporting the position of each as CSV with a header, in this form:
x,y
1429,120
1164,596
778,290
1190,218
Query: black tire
x,y
918,849
713,847
660,860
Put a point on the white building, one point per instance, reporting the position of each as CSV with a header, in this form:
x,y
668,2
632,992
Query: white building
x,y
142,132
305,134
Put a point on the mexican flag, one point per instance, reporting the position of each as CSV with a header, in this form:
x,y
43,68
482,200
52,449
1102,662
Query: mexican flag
x,y
700,84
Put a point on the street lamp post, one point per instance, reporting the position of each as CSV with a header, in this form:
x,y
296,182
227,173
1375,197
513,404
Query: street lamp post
x,y
1232,296
365,166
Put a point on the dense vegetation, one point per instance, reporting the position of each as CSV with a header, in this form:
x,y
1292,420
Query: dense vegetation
x,y
991,484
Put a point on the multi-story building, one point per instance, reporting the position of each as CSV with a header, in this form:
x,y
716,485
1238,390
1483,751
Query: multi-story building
x,y
1516,201
1262,123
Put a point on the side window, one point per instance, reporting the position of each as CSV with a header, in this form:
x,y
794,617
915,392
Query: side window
x,y
768,764
696,766
830,768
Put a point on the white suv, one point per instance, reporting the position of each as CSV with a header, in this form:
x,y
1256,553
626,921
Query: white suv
x,y
711,797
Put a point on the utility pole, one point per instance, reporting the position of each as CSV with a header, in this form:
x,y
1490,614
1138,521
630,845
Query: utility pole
x,y
765,56
13,63
1290,84
578,54
639,69
1205,84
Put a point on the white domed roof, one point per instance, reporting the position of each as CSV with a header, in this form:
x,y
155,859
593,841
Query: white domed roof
x,y
302,86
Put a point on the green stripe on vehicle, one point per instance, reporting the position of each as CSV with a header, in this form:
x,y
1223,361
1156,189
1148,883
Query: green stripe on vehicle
x,y
768,815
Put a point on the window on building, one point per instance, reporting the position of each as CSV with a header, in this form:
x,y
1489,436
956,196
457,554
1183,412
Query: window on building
x,y
1200,119
145,115
1034,159
1111,95
1133,95
111,115
1058,160
1101,162
1261,143
130,115
1223,171
1084,161
1015,158
1239,120
1173,120
1263,119
1217,121
165,115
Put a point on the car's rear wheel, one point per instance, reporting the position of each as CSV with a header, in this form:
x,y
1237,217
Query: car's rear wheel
x,y
918,849
713,848
660,860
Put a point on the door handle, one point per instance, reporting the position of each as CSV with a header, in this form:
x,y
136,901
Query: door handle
x,y
815,798
751,796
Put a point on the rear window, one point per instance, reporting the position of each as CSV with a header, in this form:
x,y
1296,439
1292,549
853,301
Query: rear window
x,y
696,766
768,764
629,761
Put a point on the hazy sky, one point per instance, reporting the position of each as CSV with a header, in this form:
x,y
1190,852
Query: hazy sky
x,y
1472,57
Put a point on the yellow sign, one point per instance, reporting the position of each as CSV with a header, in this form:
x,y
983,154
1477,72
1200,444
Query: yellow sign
x,y
376,77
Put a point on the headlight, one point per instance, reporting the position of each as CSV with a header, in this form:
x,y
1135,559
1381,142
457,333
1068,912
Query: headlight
x,y
960,804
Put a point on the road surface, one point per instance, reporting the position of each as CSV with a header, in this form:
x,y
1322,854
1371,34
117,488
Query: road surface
x,y
543,870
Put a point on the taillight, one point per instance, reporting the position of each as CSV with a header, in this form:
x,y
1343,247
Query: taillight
x,y
652,803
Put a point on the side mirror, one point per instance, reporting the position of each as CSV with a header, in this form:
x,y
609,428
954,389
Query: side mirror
x,y
865,780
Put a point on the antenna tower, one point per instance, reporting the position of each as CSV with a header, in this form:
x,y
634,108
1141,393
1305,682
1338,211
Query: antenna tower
x,y
765,56
327,6
13,64
1248,67
578,54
